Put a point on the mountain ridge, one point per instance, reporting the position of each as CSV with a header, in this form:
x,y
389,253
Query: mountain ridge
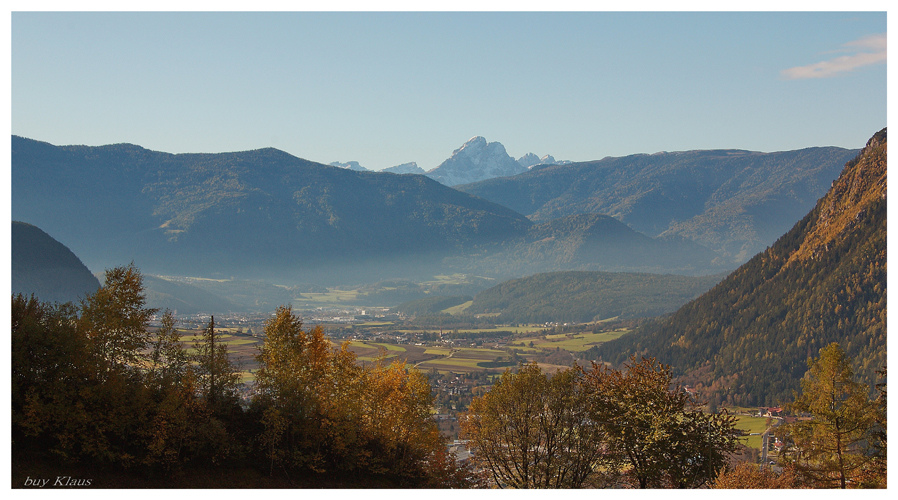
x,y
735,202
261,208
748,338
44,267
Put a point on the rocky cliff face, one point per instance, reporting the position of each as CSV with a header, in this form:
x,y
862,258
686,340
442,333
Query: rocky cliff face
x,y
530,160
351,165
405,168
862,183
476,160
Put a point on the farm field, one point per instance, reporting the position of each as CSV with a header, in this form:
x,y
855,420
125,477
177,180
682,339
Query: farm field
x,y
514,329
243,349
459,308
332,297
572,342
751,425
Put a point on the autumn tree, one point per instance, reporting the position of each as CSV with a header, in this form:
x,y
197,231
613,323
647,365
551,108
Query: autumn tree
x,y
533,431
292,368
323,412
90,399
168,361
753,476
879,434
654,434
831,449
49,359
115,319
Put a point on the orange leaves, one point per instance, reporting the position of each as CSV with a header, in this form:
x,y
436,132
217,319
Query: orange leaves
x,y
323,411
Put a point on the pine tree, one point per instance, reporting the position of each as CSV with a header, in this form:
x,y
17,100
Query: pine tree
x,y
219,377
830,449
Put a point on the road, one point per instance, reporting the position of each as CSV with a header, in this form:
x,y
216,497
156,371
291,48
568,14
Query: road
x,y
765,439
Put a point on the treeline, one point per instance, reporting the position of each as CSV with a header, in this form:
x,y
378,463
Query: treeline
x,y
92,385
631,428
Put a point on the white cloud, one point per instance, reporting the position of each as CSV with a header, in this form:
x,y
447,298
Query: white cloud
x,y
866,51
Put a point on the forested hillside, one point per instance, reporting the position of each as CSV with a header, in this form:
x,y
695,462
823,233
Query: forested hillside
x,y
46,268
581,296
732,201
824,281
592,242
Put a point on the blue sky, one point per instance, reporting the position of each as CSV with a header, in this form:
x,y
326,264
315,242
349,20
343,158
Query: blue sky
x,y
384,88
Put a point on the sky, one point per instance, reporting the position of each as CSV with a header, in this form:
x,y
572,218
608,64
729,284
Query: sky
x,y
386,88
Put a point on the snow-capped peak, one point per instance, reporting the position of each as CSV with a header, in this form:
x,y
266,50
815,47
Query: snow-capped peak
x,y
474,161
351,165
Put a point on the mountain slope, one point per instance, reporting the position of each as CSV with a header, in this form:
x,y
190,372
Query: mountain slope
x,y
46,268
824,281
183,298
735,202
579,296
593,242
241,213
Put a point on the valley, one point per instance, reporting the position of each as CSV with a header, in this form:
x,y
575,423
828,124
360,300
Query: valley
x,y
496,292
287,250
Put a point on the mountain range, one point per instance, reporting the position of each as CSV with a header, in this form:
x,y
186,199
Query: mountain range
x,y
265,214
405,168
246,213
732,201
530,160
823,281
476,160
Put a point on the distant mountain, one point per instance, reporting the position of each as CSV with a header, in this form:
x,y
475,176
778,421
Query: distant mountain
x,y
578,296
476,160
405,168
351,165
184,298
245,214
530,160
731,201
46,268
593,242
823,281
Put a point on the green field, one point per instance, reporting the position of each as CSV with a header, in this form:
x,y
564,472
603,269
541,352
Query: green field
x,y
454,363
572,342
513,329
332,297
751,425
244,349
459,308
